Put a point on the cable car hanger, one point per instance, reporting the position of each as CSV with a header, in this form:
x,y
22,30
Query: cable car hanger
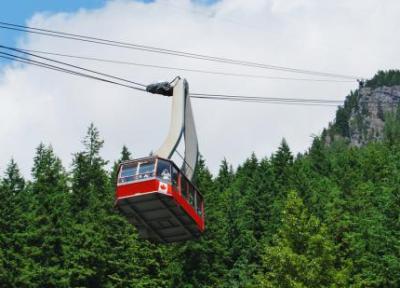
x,y
182,124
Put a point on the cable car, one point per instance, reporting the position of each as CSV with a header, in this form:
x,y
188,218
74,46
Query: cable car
x,y
152,192
159,200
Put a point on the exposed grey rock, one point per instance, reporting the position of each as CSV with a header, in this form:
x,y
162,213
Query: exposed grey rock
x,y
368,117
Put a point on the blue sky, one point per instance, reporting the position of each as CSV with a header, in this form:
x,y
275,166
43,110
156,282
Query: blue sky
x,y
17,12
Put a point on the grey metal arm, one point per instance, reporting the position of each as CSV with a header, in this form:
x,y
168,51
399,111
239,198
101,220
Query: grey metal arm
x,y
182,124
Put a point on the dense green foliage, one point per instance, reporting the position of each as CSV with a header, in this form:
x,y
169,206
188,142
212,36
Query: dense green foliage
x,y
341,125
384,78
329,218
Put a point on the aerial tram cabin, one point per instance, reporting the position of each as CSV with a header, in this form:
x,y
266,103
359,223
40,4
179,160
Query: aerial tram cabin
x,y
152,192
159,200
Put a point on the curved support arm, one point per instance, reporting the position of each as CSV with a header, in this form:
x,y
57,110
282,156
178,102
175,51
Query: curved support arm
x,y
191,145
176,126
182,123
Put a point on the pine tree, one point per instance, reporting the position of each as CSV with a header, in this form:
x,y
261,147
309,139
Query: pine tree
x,y
318,157
282,161
11,185
90,184
90,200
282,170
10,223
225,176
391,131
241,231
302,254
104,250
47,219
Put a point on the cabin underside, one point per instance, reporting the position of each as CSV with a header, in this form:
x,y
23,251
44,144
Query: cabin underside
x,y
158,217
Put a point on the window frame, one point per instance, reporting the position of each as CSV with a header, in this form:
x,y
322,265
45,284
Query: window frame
x,y
170,170
152,172
192,198
135,176
184,192
199,197
175,176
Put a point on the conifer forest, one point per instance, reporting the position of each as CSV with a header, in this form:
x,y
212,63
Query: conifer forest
x,y
328,217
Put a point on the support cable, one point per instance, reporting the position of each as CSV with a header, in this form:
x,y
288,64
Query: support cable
x,y
56,68
242,98
183,69
71,36
71,65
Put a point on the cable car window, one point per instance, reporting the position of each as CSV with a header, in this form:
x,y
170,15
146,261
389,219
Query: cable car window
x,y
146,169
199,204
164,170
128,172
191,195
175,175
184,187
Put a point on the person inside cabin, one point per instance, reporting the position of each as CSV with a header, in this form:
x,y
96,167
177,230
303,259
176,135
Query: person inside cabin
x,y
165,175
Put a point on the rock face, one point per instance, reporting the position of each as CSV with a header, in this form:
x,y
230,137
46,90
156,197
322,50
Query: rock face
x,y
367,118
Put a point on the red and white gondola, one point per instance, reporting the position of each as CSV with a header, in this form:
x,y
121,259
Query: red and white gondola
x,y
152,192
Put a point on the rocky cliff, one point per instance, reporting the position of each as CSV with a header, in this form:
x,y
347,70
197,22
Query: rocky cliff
x,y
367,119
363,116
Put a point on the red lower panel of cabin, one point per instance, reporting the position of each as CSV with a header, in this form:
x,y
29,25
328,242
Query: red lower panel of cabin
x,y
158,211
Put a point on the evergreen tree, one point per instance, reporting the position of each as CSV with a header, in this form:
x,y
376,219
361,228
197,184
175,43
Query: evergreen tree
x,y
391,131
243,223
47,218
91,199
282,168
10,223
225,176
13,181
302,254
318,157
105,251
384,78
282,162
90,184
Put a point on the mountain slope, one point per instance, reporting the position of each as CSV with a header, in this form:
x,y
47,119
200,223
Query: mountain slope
x,y
365,111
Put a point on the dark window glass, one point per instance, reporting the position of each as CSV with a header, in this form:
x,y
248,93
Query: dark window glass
x,y
199,204
128,172
175,176
164,170
146,169
184,187
191,195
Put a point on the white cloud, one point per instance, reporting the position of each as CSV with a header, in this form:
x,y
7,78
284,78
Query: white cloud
x,y
347,37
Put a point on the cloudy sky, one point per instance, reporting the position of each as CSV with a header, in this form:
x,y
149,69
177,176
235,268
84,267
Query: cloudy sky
x,y
355,37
